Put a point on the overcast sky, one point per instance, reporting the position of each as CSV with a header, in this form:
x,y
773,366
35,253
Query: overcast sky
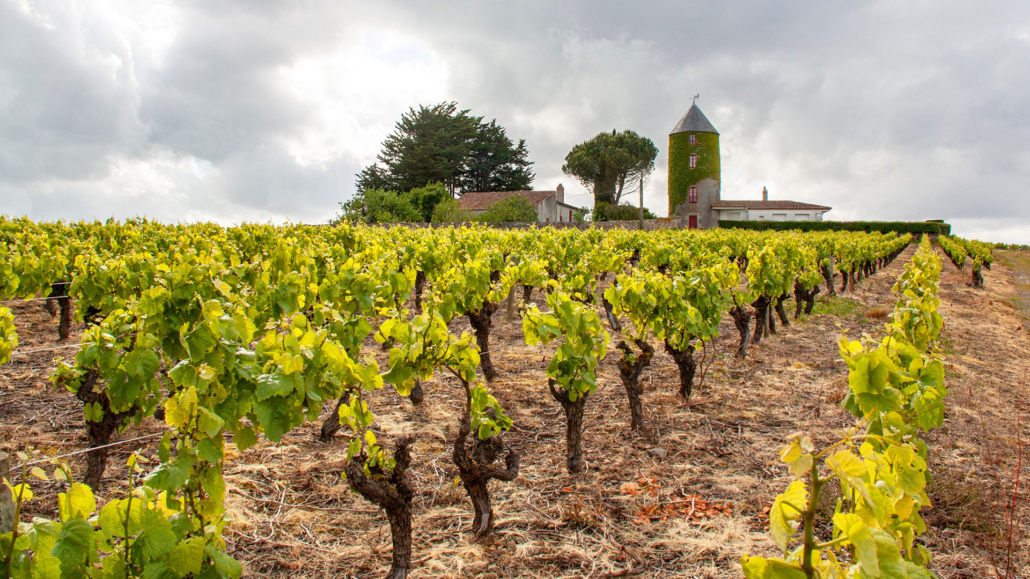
x,y
263,110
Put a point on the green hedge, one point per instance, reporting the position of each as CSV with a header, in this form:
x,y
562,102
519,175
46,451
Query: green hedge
x,y
881,226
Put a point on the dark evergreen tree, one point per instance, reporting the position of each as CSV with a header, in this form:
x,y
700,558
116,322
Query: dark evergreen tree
x,y
495,163
373,177
442,144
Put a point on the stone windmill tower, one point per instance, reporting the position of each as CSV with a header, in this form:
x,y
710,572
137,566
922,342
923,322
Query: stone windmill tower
x,y
694,170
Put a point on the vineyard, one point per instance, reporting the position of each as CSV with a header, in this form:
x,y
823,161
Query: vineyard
x,y
451,402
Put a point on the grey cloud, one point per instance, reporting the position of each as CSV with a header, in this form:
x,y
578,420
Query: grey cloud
x,y
881,109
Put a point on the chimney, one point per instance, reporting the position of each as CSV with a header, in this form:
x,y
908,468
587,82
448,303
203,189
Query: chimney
x,y
765,194
561,193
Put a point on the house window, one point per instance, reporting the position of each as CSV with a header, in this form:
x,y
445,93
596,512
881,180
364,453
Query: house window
x,y
693,139
692,195
693,161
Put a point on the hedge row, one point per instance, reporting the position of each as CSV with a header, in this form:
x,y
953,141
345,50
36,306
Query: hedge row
x,y
867,226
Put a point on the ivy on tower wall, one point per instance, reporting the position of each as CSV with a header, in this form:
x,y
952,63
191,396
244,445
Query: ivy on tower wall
x,y
681,176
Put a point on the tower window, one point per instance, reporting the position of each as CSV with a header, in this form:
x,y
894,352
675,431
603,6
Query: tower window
x,y
693,161
692,195
693,139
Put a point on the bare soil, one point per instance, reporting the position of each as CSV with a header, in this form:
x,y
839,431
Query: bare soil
x,y
686,497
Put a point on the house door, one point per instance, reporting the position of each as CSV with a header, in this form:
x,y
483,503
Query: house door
x,y
692,222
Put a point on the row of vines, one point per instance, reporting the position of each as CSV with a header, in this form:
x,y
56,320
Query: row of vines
x,y
896,392
247,332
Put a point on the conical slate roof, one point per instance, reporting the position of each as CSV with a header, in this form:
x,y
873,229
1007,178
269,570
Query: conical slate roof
x,y
694,122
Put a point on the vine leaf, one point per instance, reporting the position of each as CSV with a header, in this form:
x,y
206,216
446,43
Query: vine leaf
x,y
762,568
785,511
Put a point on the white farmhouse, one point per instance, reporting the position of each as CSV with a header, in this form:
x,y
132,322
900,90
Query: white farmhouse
x,y
550,205
766,210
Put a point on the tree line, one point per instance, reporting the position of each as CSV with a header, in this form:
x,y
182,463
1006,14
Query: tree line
x,y
438,153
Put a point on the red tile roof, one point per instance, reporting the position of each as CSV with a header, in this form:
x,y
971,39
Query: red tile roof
x,y
768,205
483,200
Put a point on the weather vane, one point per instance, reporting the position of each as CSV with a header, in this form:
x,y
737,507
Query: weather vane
x,y
697,96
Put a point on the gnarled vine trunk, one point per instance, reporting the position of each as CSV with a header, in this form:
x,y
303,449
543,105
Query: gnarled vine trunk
x,y
420,286
98,434
630,366
829,281
687,366
527,293
475,467
67,315
780,311
573,426
805,299
480,320
742,320
332,422
978,277
761,306
613,321
50,303
393,492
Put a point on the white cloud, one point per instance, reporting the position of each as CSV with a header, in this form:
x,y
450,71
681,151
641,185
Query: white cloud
x,y
357,90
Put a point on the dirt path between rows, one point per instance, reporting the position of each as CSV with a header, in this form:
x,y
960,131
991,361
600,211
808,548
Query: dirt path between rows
x,y
685,498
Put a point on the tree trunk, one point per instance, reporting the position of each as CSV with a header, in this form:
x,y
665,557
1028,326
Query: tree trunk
x,y
480,321
475,467
761,305
573,426
420,286
685,362
527,293
851,275
394,493
742,319
630,367
98,433
800,295
780,311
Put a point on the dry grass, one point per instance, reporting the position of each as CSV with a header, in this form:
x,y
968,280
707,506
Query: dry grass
x,y
295,517
878,313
